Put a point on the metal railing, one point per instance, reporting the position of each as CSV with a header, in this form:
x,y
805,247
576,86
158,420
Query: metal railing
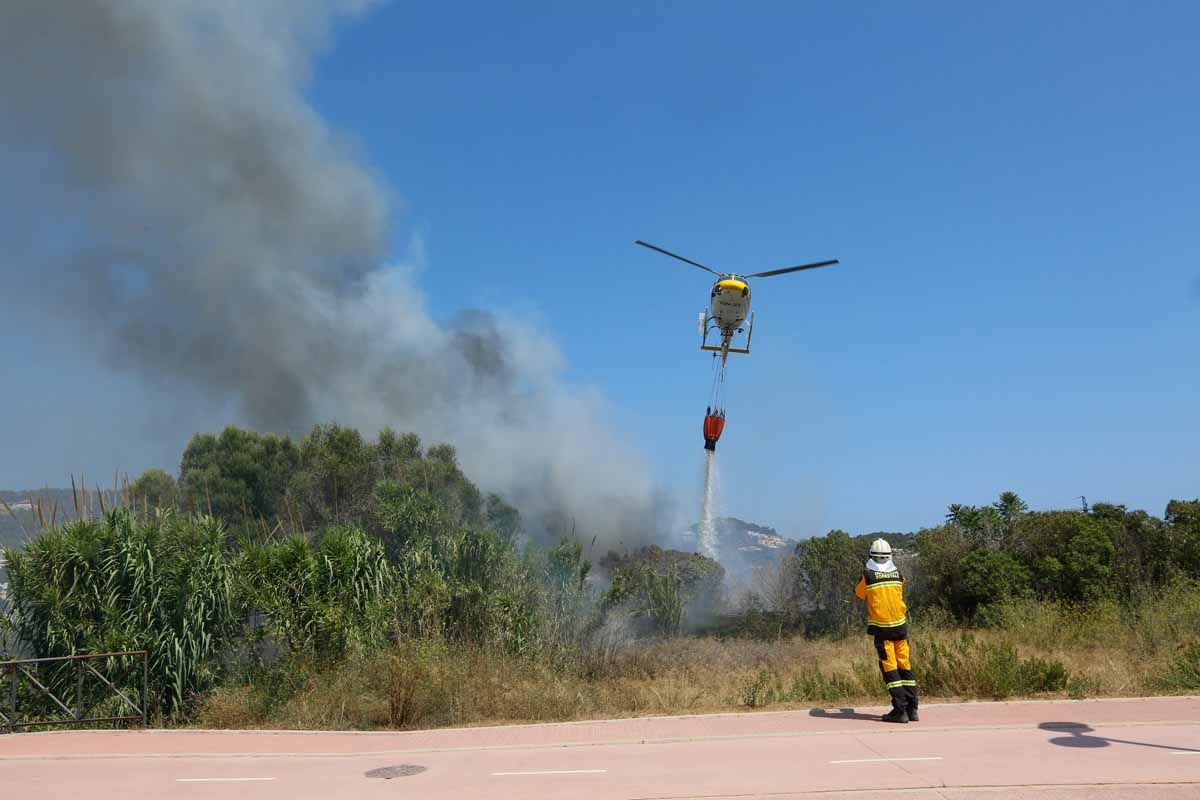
x,y
27,681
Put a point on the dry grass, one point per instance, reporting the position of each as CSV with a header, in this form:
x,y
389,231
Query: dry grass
x,y
1040,650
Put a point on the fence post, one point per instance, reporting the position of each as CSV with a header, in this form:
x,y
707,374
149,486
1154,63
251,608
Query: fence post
x,y
57,690
146,689
78,690
12,718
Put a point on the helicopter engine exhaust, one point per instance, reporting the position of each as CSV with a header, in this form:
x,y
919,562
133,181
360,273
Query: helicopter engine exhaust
x,y
714,424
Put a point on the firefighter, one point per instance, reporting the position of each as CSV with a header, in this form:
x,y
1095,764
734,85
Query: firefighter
x,y
882,586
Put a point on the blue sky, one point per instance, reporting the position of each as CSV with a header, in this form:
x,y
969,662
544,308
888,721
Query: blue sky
x,y
1011,189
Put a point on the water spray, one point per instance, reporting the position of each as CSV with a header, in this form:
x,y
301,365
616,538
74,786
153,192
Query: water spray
x,y
710,511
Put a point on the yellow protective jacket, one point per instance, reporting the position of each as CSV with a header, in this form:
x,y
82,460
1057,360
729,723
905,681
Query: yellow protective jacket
x,y
886,613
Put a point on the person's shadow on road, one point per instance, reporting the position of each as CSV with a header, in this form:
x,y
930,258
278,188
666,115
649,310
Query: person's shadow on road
x,y
1078,737
843,713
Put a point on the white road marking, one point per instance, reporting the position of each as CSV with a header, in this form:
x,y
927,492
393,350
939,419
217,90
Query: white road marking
x,y
1185,752
872,760
556,772
220,780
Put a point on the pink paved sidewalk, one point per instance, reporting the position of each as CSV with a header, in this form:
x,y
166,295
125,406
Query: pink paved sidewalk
x,y
1107,749
963,716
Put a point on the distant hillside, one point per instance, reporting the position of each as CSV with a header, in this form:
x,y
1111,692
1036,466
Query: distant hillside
x,y
10,529
742,546
56,501
10,532
900,542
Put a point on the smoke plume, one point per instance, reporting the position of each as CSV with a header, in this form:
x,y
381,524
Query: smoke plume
x,y
170,188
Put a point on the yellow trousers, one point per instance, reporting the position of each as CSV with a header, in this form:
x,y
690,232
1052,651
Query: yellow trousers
x,y
896,666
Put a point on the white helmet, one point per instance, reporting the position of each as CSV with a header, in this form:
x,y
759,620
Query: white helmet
x,y
881,551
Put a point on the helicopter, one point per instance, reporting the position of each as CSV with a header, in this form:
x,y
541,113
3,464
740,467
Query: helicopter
x,y
730,303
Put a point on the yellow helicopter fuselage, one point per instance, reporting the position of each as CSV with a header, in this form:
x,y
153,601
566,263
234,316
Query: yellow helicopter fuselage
x,y
729,302
730,305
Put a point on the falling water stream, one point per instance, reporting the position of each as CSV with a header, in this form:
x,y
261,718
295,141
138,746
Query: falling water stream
x,y
710,512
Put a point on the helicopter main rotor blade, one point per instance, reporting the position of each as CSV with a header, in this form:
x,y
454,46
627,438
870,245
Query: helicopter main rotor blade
x,y
792,269
681,258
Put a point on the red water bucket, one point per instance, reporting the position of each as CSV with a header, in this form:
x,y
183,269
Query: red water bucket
x,y
713,425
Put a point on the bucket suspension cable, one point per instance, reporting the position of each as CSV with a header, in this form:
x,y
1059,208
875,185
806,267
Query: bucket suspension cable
x,y
716,398
714,415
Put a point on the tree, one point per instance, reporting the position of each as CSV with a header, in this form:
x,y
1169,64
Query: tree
x,y
1087,562
240,476
463,582
1144,554
991,576
941,553
983,526
405,517
1010,508
568,599
777,584
1183,513
339,471
664,587
1047,578
337,474
1183,531
828,568
503,518
1046,534
154,489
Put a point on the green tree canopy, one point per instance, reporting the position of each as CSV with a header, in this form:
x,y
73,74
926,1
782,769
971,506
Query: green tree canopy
x,y
155,488
991,576
828,568
239,476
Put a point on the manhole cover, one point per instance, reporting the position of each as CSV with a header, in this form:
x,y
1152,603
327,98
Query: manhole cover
x,y
398,771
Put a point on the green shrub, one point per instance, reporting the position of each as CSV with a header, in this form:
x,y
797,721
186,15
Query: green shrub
x,y
1182,674
663,588
762,689
159,582
755,623
968,667
990,576
1165,616
1037,675
810,684
320,601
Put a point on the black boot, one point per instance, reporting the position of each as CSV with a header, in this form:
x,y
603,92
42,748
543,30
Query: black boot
x,y
912,714
895,715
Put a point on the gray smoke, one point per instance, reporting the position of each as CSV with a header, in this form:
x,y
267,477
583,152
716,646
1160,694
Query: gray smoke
x,y
169,187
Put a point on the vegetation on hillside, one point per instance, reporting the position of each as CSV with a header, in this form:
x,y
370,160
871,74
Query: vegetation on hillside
x,y
335,581
983,557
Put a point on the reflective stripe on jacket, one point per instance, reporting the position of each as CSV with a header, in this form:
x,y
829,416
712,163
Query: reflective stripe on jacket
x,y
886,612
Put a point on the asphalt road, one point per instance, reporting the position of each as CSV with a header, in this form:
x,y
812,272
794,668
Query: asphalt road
x,y
1146,748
